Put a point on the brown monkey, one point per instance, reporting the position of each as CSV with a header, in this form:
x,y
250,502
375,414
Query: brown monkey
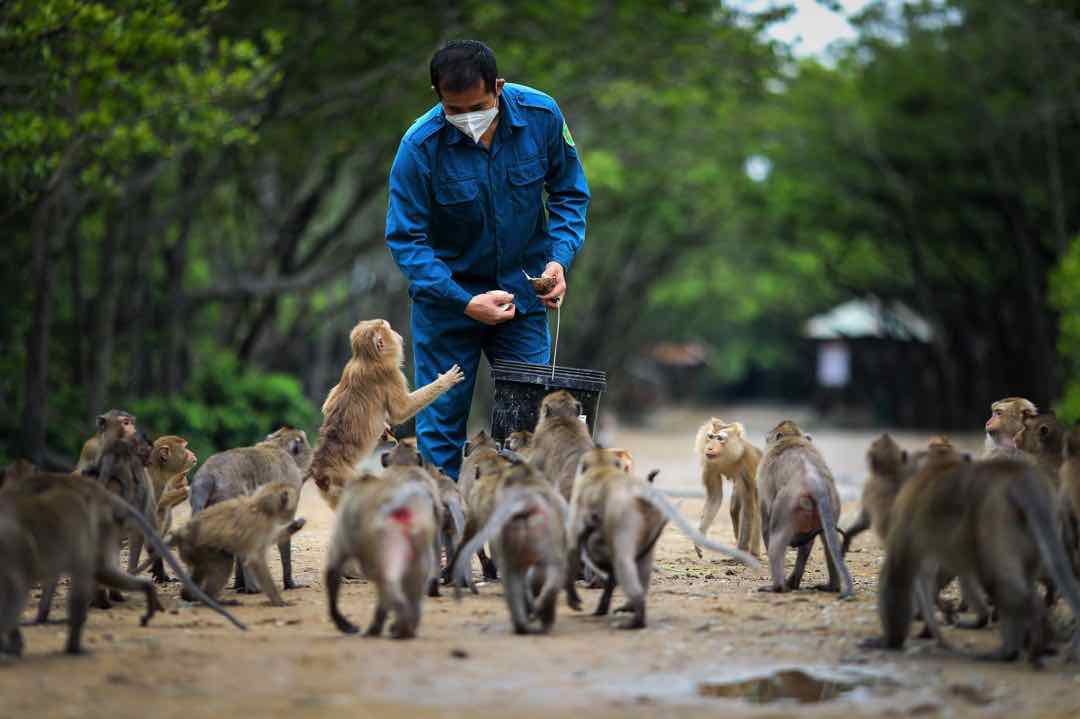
x,y
479,504
372,390
559,440
799,501
240,529
616,519
991,519
476,448
1043,437
284,456
1006,419
1069,497
890,466
114,424
455,510
520,442
527,532
170,461
725,452
17,470
54,524
405,462
386,524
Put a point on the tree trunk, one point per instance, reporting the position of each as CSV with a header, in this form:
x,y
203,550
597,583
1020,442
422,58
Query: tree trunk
x,y
103,322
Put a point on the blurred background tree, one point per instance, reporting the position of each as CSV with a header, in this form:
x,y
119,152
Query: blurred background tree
x,y
194,195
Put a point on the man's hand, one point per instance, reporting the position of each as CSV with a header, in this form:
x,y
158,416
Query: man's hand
x,y
492,308
553,298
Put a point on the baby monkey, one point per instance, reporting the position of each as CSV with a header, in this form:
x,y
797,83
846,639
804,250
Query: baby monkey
x,y
243,528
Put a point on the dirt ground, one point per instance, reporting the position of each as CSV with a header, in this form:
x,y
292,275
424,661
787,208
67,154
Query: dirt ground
x,y
709,632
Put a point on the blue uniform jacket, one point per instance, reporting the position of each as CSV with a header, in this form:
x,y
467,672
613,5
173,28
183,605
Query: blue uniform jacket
x,y
463,219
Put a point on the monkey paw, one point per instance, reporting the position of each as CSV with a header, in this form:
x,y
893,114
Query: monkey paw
x,y
293,584
773,588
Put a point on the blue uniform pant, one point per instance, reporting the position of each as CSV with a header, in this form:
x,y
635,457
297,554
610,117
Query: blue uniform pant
x,y
441,340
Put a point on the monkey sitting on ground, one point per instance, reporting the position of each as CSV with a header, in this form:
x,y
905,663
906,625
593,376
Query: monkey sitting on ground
x,y
992,519
114,424
1006,420
240,529
386,523
476,449
616,519
527,531
283,456
725,452
799,501
559,440
372,390
54,524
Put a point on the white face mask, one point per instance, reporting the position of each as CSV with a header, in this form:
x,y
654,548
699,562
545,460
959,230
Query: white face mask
x,y
474,124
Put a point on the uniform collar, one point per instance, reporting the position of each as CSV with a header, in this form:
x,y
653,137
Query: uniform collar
x,y
508,112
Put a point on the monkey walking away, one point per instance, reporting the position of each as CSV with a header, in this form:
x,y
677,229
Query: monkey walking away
x,y
404,462
527,531
726,453
59,524
479,504
372,391
559,440
284,456
615,520
386,523
992,519
240,529
798,502
477,448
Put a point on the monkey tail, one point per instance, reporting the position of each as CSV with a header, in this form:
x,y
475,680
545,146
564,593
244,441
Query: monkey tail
x,y
828,529
401,497
159,546
511,455
502,514
457,518
660,501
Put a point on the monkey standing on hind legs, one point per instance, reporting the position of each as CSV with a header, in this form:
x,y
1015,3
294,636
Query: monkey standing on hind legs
x,y
725,452
386,523
799,501
372,389
242,528
284,456
170,461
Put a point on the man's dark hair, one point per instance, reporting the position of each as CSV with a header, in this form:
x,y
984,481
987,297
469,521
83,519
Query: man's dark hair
x,y
460,64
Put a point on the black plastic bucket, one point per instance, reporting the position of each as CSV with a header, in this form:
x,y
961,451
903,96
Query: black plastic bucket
x,y
519,388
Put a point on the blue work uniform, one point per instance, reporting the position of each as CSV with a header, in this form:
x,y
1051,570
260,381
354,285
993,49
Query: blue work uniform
x,y
464,219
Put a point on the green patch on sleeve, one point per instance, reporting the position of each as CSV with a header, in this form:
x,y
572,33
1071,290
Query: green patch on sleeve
x,y
566,134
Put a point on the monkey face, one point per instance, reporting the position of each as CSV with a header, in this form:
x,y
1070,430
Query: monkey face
x,y
478,440
721,441
1007,418
519,440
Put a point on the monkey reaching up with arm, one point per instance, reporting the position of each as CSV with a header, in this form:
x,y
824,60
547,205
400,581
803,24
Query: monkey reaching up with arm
x,y
372,390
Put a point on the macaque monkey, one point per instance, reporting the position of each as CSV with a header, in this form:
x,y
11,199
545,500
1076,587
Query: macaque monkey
x,y
455,510
799,501
18,469
1043,437
527,530
386,523
477,448
114,424
616,519
240,529
1006,420
520,442
479,504
404,462
993,520
890,466
62,524
725,453
559,440
372,391
170,461
284,456
1069,497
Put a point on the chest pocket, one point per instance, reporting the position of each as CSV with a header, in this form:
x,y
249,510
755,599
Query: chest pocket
x,y
527,183
459,215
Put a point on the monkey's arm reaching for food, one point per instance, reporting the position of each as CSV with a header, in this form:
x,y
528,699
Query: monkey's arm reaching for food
x,y
402,404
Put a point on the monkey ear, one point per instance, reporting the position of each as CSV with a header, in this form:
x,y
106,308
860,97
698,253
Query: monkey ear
x,y
101,423
385,459
809,437
466,449
477,473
1044,430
